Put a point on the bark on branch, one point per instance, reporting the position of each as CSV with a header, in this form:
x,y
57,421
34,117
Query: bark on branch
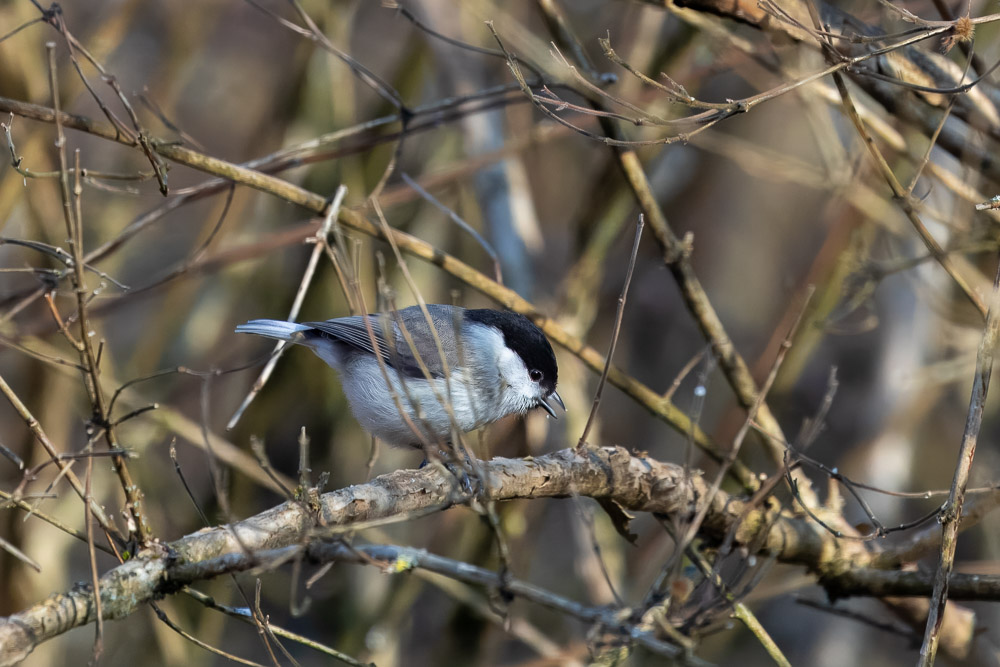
x,y
635,482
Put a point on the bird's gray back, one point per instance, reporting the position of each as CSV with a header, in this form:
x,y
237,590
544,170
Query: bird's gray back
x,y
395,349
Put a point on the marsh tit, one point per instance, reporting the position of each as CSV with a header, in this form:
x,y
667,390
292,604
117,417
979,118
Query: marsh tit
x,y
498,363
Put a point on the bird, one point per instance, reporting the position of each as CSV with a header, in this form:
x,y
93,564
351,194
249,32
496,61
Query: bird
x,y
484,364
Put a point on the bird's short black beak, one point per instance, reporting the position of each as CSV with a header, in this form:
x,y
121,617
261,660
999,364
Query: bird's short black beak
x,y
544,405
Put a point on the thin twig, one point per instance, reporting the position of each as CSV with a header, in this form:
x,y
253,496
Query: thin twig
x,y
160,614
483,243
245,615
10,500
952,515
400,559
293,314
74,229
740,610
705,503
95,578
20,555
64,466
264,629
906,202
614,332
384,90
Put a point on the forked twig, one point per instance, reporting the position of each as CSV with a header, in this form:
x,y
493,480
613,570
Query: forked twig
x,y
293,314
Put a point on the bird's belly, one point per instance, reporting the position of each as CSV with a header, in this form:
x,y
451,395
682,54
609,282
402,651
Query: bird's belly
x,y
413,410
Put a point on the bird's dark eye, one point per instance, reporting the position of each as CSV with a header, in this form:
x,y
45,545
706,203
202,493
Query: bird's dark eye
x,y
536,376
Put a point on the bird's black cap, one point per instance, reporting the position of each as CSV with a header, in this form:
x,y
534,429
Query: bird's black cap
x,y
522,336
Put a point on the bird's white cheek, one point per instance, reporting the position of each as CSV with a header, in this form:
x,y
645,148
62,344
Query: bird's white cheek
x,y
519,393
512,369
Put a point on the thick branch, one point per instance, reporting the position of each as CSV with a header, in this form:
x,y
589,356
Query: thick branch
x,y
635,482
883,583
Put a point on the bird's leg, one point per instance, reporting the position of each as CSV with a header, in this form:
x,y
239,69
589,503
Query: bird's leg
x,y
458,466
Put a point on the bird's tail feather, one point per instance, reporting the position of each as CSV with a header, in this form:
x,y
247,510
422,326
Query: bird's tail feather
x,y
272,328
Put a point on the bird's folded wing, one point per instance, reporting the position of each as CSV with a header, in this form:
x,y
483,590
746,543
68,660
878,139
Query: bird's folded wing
x,y
397,353
352,330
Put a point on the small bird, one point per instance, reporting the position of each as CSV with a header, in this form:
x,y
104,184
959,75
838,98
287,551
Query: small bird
x,y
498,363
